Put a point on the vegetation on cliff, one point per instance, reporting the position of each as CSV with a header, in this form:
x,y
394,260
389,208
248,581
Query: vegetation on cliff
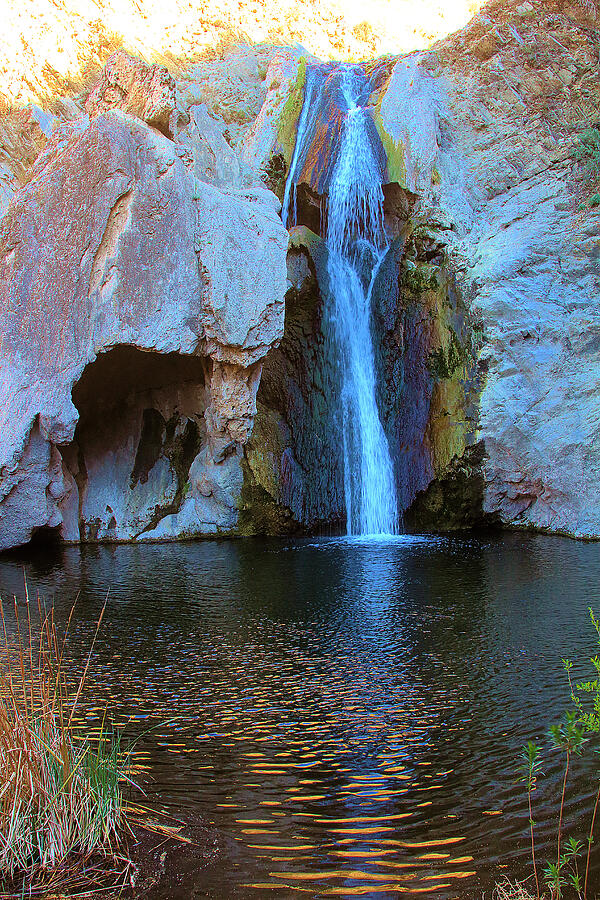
x,y
286,133
587,152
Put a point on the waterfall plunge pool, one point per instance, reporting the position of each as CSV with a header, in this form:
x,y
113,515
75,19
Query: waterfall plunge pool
x,y
345,714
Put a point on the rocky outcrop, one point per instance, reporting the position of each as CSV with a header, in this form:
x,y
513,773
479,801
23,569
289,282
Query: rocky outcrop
x,y
482,129
147,92
293,473
148,387
48,46
137,304
23,135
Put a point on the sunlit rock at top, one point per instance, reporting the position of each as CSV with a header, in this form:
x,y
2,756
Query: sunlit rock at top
x,y
63,42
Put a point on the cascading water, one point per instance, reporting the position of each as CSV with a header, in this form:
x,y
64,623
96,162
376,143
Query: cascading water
x,y
356,244
313,85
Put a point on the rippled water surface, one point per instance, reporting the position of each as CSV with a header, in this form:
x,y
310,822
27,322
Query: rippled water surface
x,y
347,714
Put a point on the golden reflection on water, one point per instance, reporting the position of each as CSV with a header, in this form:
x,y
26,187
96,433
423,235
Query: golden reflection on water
x,y
335,749
353,796
364,850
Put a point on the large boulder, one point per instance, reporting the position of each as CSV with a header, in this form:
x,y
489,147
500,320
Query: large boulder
x,y
129,84
137,303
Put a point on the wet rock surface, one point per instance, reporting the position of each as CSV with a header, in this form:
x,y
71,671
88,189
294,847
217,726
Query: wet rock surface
x,y
482,129
481,132
294,477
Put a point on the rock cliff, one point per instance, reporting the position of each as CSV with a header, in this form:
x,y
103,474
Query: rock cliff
x,y
149,389
138,300
490,368
482,130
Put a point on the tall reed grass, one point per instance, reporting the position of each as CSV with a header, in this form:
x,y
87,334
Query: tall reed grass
x,y
61,792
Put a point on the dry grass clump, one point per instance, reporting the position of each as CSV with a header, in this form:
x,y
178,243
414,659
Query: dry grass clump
x,y
61,797
513,890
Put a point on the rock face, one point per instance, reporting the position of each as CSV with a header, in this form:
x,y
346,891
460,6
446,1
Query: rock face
x,y
147,92
137,305
482,129
148,389
294,476
479,134
23,135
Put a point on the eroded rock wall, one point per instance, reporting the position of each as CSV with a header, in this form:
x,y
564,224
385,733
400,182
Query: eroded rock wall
x,y
150,227
482,129
425,338
293,462
115,245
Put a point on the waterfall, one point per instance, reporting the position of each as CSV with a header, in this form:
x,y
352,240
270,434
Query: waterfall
x,y
356,245
313,86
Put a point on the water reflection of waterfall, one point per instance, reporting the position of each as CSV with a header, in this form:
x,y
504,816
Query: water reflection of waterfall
x,y
356,245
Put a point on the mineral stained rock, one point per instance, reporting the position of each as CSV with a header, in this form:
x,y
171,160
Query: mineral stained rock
x,y
137,303
143,275
482,129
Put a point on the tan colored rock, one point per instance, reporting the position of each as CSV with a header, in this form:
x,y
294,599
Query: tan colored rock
x,y
127,83
47,45
230,415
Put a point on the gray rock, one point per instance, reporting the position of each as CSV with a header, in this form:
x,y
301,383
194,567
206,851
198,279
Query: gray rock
x,y
137,304
527,261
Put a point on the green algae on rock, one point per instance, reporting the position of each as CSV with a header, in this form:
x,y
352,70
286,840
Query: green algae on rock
x,y
286,130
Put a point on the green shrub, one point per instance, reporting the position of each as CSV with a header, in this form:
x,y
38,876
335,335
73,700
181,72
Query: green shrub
x,y
576,733
587,150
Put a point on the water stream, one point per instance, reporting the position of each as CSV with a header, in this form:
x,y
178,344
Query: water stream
x,y
314,84
356,245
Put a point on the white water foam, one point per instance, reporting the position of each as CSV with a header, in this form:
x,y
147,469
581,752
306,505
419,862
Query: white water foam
x,y
357,243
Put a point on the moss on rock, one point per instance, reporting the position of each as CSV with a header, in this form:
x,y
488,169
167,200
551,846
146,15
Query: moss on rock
x,y
416,279
454,500
395,151
287,128
429,366
260,513
261,509
446,360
